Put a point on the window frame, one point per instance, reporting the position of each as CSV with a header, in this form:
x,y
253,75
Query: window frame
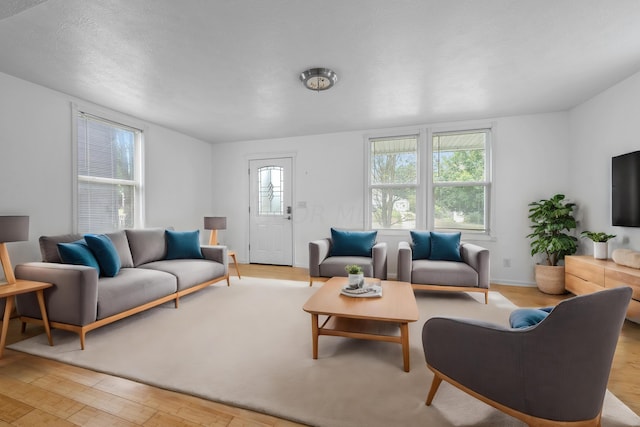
x,y
369,186
425,186
117,120
487,183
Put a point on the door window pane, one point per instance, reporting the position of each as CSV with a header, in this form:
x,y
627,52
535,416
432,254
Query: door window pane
x,y
270,190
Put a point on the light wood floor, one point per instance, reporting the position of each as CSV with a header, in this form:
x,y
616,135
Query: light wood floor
x,y
36,391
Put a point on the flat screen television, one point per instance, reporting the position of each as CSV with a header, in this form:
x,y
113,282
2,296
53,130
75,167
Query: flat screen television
x,y
625,190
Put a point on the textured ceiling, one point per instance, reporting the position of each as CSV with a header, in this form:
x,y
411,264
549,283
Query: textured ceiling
x,y
228,70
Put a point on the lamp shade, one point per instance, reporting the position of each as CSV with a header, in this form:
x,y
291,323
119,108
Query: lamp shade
x,y
215,222
14,228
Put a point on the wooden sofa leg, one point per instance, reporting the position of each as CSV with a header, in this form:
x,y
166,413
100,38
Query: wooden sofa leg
x,y
23,327
486,297
434,388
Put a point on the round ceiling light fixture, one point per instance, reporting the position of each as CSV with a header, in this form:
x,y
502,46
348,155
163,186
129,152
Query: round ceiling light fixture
x,y
318,78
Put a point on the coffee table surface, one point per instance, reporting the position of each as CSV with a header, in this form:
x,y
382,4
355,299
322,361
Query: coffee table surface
x,y
397,304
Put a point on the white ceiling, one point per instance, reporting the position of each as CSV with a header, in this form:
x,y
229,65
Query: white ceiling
x,y
228,70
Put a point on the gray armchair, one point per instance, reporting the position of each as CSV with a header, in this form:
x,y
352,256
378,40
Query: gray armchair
x,y
470,275
552,373
323,266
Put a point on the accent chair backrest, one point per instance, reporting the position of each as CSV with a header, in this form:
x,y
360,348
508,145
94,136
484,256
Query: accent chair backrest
x,y
568,356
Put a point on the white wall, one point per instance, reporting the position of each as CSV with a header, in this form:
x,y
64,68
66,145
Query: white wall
x,y
535,156
36,170
603,127
329,177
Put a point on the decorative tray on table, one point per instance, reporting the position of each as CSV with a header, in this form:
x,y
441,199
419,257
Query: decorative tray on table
x,y
366,291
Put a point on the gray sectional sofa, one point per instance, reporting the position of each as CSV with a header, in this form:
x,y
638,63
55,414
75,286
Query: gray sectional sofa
x,y
81,300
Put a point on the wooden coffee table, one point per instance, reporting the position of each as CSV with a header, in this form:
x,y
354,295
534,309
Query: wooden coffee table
x,y
376,318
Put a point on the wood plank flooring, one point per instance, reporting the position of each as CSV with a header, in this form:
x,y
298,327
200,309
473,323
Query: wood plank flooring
x,y
35,391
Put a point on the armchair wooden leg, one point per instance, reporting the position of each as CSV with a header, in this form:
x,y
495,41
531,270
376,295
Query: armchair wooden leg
x,y
434,388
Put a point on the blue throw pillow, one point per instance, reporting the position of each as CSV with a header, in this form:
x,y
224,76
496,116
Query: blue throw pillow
x,y
183,244
352,243
421,244
105,252
445,246
77,253
527,317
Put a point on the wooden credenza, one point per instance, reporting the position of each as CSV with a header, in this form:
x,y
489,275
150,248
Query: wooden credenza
x,y
584,274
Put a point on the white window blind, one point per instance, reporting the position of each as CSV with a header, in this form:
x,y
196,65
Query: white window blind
x,y
108,176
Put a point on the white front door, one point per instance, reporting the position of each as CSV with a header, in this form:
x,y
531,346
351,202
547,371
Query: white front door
x,y
270,212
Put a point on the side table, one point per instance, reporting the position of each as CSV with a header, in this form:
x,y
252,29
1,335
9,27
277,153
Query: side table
x,y
9,291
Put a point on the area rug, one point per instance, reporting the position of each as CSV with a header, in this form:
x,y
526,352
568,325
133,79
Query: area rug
x,y
249,345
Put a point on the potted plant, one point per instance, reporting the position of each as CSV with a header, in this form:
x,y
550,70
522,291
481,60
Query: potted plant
x,y
600,245
552,221
356,276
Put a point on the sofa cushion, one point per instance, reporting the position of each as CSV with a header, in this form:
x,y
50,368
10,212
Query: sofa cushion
x,y
526,317
78,253
183,244
105,252
421,244
49,246
334,265
445,246
119,239
147,245
352,243
189,272
131,288
447,273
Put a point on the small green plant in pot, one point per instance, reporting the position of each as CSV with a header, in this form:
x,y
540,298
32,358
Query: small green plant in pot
x,y
356,276
600,245
597,236
552,222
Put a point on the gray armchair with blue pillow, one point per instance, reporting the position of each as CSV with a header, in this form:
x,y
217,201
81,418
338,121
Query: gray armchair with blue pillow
x,y
328,257
550,368
440,261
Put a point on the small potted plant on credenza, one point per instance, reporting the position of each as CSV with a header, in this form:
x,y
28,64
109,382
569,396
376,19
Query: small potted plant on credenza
x,y
600,243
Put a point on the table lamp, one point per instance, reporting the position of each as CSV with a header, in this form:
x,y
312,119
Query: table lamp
x,y
215,223
12,229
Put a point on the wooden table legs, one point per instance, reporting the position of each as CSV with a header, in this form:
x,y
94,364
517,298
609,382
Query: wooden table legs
x,y
43,312
314,334
403,339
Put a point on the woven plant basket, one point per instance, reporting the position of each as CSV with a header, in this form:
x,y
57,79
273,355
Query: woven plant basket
x,y
550,279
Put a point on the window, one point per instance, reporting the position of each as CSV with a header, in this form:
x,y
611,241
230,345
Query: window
x,y
449,192
393,182
108,175
460,180
270,195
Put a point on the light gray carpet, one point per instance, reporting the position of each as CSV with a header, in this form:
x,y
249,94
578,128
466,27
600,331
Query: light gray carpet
x,y
249,345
